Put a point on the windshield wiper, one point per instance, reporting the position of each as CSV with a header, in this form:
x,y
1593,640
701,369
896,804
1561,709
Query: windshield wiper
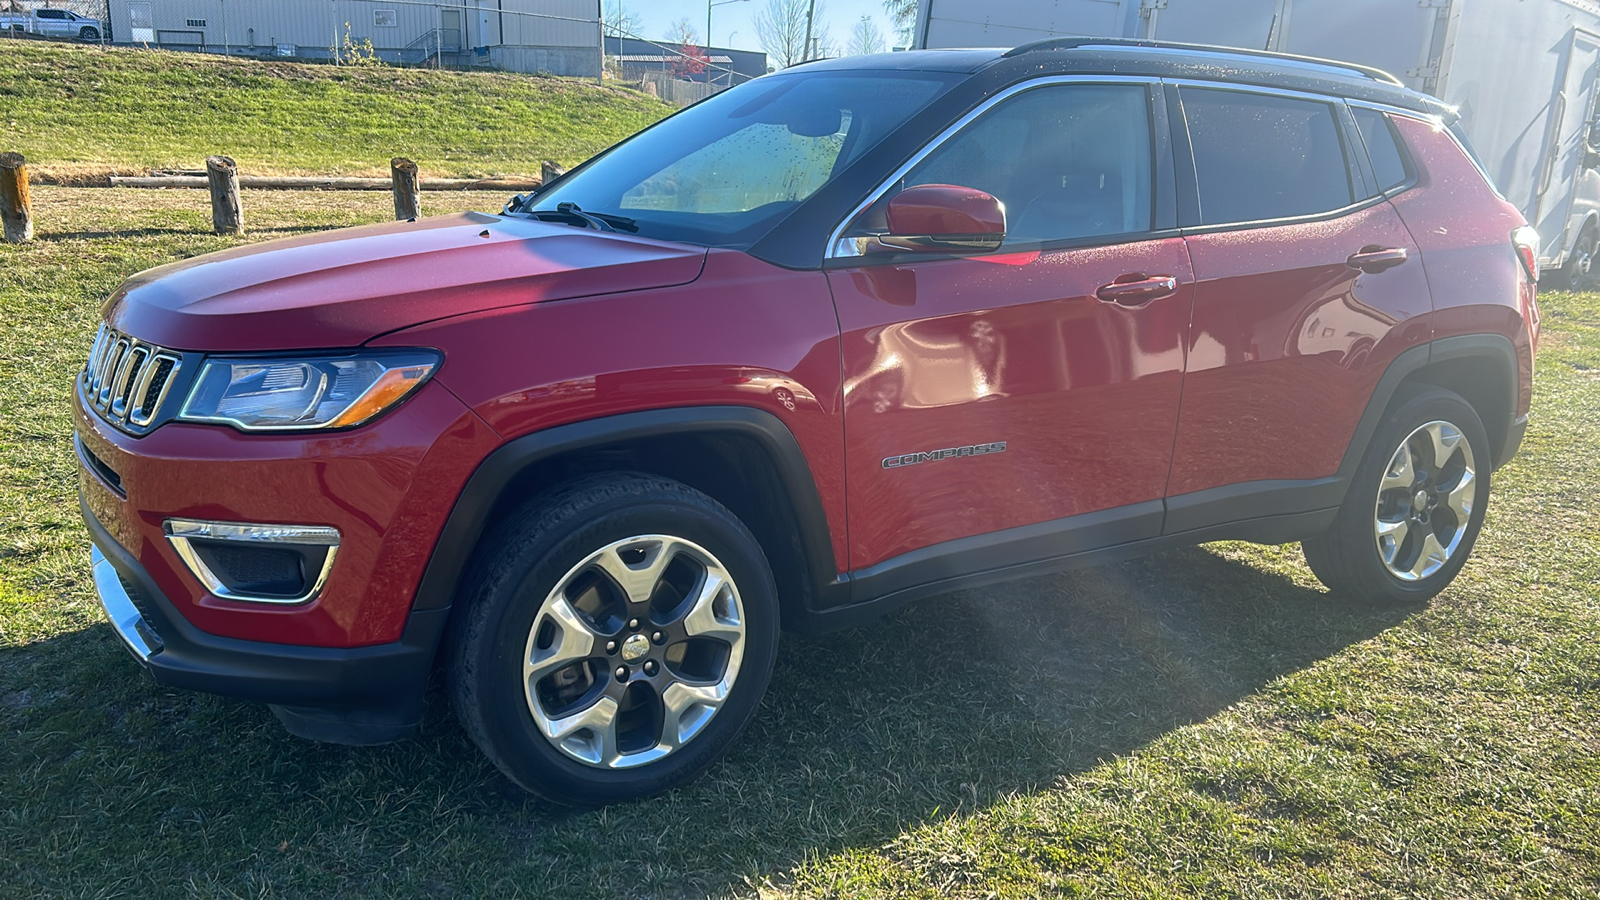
x,y
567,211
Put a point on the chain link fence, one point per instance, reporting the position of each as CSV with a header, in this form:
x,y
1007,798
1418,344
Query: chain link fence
x,y
93,9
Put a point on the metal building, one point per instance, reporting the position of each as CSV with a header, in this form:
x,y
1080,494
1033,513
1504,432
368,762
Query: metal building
x,y
561,37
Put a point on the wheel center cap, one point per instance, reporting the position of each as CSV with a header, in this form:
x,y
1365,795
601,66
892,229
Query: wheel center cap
x,y
1420,501
636,646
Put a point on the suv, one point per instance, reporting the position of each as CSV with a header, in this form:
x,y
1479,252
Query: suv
x,y
846,336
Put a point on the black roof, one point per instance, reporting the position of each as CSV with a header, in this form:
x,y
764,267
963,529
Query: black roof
x,y
1114,56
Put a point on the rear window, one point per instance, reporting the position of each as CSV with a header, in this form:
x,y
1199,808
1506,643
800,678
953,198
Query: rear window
x,y
1383,148
1260,156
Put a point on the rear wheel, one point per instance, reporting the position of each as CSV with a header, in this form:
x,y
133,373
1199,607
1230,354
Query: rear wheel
x,y
1415,507
1582,269
618,635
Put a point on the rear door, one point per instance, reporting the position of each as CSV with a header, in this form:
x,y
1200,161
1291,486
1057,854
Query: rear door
x,y
52,22
1054,398
1307,285
1564,152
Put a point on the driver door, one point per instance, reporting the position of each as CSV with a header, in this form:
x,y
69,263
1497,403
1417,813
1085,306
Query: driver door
x,y
1057,398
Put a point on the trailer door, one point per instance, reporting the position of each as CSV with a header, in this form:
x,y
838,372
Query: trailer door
x,y
1570,117
1247,24
1345,29
962,23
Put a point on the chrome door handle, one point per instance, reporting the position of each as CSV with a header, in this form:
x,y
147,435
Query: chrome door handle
x,y
1375,259
1134,291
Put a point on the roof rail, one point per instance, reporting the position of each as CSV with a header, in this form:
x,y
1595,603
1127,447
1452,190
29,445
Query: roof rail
x,y
1073,43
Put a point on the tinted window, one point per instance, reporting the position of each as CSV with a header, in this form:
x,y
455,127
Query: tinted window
x,y
1068,161
51,14
726,170
1382,147
1258,156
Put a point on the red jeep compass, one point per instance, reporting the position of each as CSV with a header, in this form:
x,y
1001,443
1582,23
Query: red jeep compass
x,y
846,336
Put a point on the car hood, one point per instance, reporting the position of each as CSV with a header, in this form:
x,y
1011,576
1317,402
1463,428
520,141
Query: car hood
x,y
343,288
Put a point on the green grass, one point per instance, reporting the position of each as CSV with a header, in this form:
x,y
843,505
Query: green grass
x,y
87,111
1204,723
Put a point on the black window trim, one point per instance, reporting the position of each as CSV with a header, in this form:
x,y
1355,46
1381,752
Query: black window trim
x,y
1406,158
841,253
1186,164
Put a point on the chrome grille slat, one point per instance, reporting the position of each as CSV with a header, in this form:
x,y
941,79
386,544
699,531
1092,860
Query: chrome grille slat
x,y
113,372
125,380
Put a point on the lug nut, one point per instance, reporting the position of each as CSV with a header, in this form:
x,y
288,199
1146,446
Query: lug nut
x,y
633,623
658,637
650,667
622,673
611,646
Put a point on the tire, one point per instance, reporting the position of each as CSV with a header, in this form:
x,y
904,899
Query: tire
x,y
1431,444
88,35
542,590
1582,271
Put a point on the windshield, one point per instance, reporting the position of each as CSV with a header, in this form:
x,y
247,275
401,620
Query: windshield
x,y
726,170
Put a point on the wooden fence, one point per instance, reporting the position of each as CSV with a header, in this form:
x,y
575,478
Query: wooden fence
x,y
222,179
676,90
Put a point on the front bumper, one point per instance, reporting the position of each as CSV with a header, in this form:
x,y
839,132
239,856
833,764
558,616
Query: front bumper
x,y
357,695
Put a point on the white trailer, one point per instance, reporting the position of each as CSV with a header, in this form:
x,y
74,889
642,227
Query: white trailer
x,y
1523,74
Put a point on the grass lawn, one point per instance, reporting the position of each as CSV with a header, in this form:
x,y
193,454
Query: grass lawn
x,y
87,111
1203,723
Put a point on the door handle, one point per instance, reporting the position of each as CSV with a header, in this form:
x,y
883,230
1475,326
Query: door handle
x,y
1374,259
1134,291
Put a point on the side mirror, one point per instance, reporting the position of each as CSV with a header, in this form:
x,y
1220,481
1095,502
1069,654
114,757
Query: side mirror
x,y
945,218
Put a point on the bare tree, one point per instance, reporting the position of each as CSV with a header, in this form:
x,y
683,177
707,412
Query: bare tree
x,y
904,15
620,21
781,27
683,32
866,38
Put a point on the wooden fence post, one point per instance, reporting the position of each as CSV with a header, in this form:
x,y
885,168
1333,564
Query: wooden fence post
x,y
407,189
222,174
549,172
16,209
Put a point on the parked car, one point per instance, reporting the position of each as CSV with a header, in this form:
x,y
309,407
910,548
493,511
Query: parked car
x,y
53,23
841,338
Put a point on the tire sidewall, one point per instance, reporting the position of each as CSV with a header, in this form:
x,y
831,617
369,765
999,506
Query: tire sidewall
x,y
515,599
1360,512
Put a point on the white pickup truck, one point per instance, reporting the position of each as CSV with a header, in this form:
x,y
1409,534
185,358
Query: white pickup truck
x,y
54,23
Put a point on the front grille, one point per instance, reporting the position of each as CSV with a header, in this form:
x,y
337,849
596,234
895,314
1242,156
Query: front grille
x,y
126,380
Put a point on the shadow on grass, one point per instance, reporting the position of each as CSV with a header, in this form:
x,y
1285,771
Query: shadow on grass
x,y
940,709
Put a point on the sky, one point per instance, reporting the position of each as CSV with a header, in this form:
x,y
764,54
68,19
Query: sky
x,y
733,25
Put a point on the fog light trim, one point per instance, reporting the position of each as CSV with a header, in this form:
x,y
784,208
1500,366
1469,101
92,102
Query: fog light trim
x,y
183,532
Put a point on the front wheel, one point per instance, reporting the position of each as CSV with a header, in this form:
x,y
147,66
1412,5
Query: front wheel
x,y
88,34
1415,507
617,636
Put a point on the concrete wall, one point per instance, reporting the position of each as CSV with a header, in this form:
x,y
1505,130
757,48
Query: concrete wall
x,y
552,60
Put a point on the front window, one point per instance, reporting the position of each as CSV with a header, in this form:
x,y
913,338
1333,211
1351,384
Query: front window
x,y
726,170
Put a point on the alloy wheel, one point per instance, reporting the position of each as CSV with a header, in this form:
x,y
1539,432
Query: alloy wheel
x,y
634,651
1425,501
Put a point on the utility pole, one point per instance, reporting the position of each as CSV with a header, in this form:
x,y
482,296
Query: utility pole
x,y
811,12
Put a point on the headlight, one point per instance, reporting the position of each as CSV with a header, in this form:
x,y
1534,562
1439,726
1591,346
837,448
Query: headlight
x,y
267,394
